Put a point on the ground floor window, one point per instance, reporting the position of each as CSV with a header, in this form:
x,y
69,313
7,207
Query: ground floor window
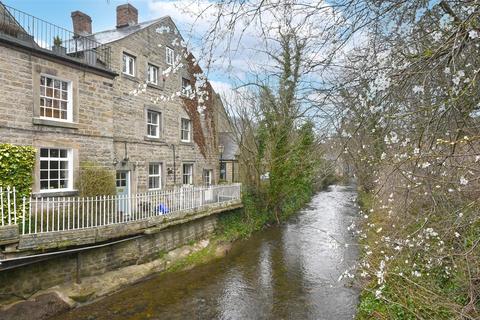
x,y
55,169
207,177
223,170
154,176
187,173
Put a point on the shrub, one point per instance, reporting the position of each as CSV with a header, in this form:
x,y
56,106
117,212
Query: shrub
x,y
16,167
95,180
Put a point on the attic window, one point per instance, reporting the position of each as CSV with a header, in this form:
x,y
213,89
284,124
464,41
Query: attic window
x,y
128,64
170,56
186,87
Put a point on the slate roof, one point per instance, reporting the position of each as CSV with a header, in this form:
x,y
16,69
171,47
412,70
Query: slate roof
x,y
108,36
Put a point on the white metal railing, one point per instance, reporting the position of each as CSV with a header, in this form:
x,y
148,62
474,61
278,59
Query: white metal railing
x,y
49,214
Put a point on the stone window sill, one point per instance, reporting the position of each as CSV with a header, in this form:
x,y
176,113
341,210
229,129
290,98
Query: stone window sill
x,y
66,193
129,77
186,143
153,139
187,96
54,123
154,86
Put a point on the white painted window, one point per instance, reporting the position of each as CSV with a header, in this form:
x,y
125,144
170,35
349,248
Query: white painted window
x,y
121,180
187,173
153,124
186,87
152,74
186,130
55,169
128,64
207,177
154,176
170,56
55,98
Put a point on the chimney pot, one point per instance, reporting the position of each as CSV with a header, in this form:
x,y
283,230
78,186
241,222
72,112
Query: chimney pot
x,y
127,15
82,23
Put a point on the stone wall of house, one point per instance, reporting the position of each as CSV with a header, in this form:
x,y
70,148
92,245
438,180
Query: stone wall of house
x,y
232,171
90,136
24,281
134,97
110,113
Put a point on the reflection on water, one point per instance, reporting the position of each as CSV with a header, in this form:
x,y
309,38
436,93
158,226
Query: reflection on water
x,y
286,272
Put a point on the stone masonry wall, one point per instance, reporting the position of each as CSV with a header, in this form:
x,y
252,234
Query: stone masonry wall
x,y
91,134
134,96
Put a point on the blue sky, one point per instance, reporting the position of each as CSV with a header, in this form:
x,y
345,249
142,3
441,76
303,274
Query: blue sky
x,y
58,12
103,14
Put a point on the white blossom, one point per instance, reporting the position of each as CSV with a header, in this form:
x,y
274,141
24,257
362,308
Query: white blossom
x,y
463,181
473,34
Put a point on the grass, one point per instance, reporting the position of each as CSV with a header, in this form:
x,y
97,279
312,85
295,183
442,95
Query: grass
x,y
200,257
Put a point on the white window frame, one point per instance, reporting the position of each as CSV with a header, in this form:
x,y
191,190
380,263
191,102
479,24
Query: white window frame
x,y
189,175
187,90
150,68
157,124
155,175
69,178
170,56
189,130
126,65
69,98
207,182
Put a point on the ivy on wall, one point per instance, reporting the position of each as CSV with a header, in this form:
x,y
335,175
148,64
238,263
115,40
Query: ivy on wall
x,y
16,167
16,171
203,99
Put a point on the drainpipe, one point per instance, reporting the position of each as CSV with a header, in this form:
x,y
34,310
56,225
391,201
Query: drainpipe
x,y
174,166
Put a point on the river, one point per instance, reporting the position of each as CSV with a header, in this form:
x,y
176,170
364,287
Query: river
x,y
289,271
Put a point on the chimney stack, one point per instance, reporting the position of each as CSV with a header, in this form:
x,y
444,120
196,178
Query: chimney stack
x,y
82,23
127,15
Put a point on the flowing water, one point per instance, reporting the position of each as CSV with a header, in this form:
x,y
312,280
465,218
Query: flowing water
x,y
286,272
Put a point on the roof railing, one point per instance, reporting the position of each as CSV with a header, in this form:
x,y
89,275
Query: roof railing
x,y
42,35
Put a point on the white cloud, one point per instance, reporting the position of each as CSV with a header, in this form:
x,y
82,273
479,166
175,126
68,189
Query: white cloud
x,y
222,88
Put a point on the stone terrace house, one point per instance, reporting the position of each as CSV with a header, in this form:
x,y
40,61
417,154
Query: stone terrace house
x,y
126,99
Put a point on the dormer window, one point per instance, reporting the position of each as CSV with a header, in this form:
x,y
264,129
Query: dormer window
x,y
128,64
170,56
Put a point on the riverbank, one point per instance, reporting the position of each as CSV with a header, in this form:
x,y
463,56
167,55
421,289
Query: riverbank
x,y
404,269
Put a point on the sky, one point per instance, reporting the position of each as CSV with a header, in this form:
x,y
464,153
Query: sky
x,y
103,14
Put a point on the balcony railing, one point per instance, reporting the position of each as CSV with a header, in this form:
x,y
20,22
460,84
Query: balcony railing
x,y
50,214
39,34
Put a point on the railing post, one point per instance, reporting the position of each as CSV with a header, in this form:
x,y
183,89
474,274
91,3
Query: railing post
x,y
1,206
23,222
8,206
30,215
14,205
